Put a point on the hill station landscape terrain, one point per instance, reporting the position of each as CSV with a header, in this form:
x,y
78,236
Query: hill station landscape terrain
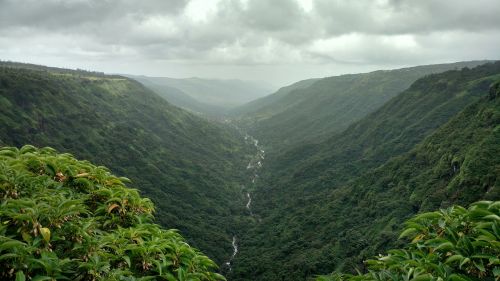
x,y
291,153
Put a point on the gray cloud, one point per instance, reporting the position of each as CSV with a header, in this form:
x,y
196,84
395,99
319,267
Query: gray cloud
x,y
405,16
229,37
68,14
272,16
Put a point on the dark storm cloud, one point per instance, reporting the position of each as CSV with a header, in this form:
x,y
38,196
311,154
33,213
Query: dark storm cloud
x,y
144,35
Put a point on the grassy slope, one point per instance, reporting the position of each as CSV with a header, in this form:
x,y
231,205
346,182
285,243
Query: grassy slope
x,y
314,218
187,165
331,104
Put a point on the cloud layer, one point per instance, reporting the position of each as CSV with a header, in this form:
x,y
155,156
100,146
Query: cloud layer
x,y
284,40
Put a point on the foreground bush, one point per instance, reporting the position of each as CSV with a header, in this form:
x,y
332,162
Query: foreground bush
x,y
64,219
455,244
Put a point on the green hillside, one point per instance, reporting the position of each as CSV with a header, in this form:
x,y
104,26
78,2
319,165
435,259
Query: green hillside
x,y
329,206
393,129
64,219
329,105
186,165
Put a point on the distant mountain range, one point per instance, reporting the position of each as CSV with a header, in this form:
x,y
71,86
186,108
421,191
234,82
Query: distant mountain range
x,y
207,96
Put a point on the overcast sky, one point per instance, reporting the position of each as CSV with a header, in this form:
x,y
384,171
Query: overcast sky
x,y
279,41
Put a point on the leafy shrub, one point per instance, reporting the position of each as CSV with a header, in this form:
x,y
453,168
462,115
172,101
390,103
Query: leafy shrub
x,y
455,244
61,218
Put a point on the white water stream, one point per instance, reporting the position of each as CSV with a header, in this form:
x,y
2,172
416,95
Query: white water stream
x,y
235,251
254,165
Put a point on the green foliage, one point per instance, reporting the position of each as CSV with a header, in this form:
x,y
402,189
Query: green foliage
x,y
191,168
64,219
455,244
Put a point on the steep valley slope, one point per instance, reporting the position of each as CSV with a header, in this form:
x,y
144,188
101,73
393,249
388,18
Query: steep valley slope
x,y
330,205
188,166
314,109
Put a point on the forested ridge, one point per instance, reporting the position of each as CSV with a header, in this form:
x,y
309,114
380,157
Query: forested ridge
x,y
188,166
312,110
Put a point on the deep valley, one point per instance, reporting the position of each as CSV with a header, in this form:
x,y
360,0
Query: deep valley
x,y
317,177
